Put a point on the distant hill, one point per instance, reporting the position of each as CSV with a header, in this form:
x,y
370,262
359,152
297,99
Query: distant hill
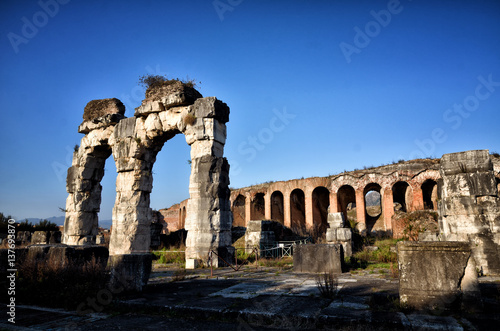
x,y
59,220
373,198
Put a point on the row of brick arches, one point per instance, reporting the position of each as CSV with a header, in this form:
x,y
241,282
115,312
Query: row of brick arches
x,y
303,204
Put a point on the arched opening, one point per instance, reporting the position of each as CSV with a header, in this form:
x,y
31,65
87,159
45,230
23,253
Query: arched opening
x,y
171,172
498,186
183,217
320,201
430,194
373,207
239,211
277,213
298,211
258,207
346,199
401,196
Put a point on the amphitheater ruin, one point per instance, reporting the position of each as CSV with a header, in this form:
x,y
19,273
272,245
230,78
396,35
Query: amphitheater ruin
x,y
465,196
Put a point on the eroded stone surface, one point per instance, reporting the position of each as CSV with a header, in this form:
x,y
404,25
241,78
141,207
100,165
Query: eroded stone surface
x,y
470,206
437,275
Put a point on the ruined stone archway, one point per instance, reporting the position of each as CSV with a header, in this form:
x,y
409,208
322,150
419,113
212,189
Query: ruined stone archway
x,y
258,207
298,211
277,212
430,194
134,143
321,202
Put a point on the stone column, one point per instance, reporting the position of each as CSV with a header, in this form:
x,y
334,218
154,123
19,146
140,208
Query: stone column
x,y
84,199
287,212
470,206
417,199
248,208
209,217
267,206
360,211
87,170
309,216
334,203
387,208
129,258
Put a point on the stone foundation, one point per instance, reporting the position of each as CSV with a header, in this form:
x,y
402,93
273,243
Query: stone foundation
x,y
318,258
437,275
129,271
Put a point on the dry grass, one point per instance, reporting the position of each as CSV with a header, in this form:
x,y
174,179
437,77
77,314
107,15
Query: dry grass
x,y
58,282
189,119
327,284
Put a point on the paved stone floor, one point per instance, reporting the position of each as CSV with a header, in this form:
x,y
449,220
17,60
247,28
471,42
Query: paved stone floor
x,y
261,299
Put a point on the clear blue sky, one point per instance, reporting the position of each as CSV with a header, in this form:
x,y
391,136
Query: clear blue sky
x,y
314,87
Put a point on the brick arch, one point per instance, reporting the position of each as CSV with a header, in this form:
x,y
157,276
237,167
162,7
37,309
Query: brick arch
x,y
277,207
297,211
402,195
320,204
239,210
257,206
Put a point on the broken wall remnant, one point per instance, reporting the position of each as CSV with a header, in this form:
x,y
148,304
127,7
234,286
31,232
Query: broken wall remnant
x,y
134,143
316,258
470,206
438,275
337,233
258,235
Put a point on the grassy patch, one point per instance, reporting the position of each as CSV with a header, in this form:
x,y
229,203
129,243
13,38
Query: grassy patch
x,y
172,255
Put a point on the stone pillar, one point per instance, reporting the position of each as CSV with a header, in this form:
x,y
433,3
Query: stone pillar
x,y
87,170
338,234
470,206
129,257
84,198
309,216
267,206
387,208
418,199
248,208
209,217
334,203
360,211
287,212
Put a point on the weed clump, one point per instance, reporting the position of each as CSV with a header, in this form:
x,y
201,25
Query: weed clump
x,y
327,284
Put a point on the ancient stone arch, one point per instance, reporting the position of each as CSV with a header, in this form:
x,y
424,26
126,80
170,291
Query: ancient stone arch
x,y
134,143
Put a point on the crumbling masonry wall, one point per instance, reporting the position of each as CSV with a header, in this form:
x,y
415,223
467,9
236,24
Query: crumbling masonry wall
x,y
134,143
470,206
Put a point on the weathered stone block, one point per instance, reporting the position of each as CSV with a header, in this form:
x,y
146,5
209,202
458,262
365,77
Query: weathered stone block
x,y
336,220
130,271
470,184
318,258
438,275
125,128
100,122
466,162
211,107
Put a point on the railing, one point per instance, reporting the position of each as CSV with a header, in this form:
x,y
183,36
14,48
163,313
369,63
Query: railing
x,y
281,249
235,267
